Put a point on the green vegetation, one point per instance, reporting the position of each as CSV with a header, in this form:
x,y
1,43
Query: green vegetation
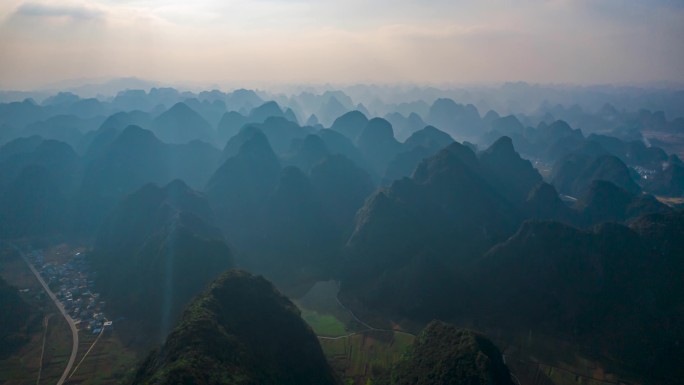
x,y
364,356
57,349
241,330
324,313
22,366
156,251
446,355
107,362
324,324
14,318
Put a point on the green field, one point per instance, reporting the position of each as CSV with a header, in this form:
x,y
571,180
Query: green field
x,y
363,356
324,324
107,363
357,354
323,312
22,366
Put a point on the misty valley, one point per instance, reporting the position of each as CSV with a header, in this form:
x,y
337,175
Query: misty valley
x,y
386,235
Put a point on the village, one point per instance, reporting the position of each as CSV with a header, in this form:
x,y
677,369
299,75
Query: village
x,y
72,282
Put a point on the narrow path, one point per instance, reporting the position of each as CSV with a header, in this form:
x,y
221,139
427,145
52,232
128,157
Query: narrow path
x,y
364,332
369,328
517,380
337,298
86,353
70,321
42,352
341,337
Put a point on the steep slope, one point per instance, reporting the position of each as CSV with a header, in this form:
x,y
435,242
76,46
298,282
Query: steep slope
x,y
378,145
574,174
445,355
429,137
64,128
308,152
341,187
240,330
37,180
267,110
404,127
19,146
283,225
554,141
32,205
606,202
456,119
155,251
243,184
543,202
633,153
404,163
443,217
192,162
337,143
446,195
420,145
121,120
612,289
230,125
607,168
513,177
294,235
331,109
134,158
552,275
145,211
62,162
181,124
210,111
669,181
350,124
233,144
507,125
281,132
58,158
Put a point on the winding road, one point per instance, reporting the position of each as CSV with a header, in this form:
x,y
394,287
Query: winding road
x,y
70,321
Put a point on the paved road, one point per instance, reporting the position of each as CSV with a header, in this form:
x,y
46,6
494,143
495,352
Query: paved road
x,y
72,325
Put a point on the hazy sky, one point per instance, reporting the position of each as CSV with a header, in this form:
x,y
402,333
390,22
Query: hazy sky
x,y
321,41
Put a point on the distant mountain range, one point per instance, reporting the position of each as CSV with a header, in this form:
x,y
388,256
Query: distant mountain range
x,y
560,222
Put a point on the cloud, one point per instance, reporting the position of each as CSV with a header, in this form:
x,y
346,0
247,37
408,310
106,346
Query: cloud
x,y
581,41
74,12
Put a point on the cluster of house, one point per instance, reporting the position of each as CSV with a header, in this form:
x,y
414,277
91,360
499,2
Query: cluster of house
x,y
644,173
543,167
73,285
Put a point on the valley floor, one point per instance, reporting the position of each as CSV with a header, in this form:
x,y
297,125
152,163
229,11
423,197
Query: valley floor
x,y
101,355
357,350
360,352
